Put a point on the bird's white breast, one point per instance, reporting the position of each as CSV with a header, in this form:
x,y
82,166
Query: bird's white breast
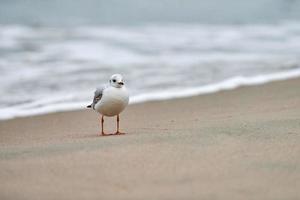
x,y
113,101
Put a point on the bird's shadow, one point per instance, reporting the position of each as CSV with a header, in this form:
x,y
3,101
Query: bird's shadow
x,y
97,135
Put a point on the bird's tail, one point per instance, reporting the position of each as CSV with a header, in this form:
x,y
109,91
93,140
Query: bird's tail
x,y
89,106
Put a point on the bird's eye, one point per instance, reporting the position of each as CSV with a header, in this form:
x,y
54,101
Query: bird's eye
x,y
114,80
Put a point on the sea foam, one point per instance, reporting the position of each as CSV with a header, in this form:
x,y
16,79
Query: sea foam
x,y
228,84
50,69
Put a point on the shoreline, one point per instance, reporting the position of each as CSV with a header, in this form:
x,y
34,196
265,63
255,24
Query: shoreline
x,y
227,84
233,144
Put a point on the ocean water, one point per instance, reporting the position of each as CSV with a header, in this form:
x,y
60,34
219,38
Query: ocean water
x,y
49,66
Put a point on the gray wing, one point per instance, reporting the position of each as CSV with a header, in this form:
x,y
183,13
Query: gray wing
x,y
97,97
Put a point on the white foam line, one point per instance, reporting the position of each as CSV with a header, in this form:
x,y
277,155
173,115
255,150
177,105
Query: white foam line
x,y
232,83
10,113
227,84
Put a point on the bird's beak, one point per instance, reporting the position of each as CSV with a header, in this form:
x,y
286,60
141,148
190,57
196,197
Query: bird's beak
x,y
120,83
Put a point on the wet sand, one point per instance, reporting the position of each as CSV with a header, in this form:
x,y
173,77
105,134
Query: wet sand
x,y
238,144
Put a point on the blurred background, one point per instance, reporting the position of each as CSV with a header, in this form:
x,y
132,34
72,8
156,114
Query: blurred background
x,y
53,54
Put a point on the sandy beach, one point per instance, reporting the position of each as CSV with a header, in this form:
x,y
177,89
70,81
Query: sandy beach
x,y
238,144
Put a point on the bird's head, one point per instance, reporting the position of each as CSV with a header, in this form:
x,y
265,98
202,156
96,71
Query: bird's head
x,y
116,80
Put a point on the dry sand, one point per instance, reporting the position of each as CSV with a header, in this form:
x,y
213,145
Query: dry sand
x,y
239,144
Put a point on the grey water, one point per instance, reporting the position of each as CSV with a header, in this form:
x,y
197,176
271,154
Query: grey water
x,y
69,12
54,53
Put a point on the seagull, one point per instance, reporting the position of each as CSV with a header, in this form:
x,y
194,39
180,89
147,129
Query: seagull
x,y
110,100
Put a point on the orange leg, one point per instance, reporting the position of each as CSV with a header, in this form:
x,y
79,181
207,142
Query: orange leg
x,y
118,125
102,126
